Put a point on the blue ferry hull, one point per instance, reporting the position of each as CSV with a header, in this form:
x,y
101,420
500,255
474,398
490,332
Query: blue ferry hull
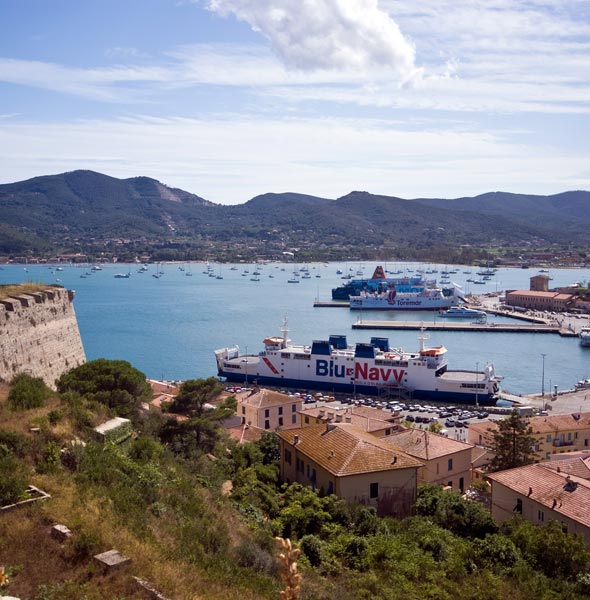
x,y
483,399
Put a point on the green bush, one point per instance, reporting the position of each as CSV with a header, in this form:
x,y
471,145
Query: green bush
x,y
12,442
27,392
114,383
14,479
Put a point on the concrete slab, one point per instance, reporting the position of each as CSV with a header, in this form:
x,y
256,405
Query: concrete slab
x,y
112,560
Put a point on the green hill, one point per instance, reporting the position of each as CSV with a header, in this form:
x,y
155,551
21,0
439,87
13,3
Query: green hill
x,y
86,211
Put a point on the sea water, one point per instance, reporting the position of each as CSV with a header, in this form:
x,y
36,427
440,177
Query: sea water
x,y
168,327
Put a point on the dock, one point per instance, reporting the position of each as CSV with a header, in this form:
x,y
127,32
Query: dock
x,y
454,326
331,304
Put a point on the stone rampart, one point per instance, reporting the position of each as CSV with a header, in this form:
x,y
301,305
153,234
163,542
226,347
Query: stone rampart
x,y
39,335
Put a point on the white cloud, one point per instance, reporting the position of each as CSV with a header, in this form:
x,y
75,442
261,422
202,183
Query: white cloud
x,y
231,158
327,34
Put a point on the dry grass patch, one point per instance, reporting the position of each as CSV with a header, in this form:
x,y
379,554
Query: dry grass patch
x,y
22,288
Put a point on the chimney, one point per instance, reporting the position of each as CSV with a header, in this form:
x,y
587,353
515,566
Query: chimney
x,y
348,419
295,440
530,492
322,412
338,418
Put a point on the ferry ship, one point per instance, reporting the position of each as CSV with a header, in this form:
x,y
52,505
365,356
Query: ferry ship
x,y
392,298
372,368
585,337
379,283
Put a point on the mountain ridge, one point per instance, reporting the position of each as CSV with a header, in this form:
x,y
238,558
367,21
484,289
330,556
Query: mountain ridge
x,y
82,209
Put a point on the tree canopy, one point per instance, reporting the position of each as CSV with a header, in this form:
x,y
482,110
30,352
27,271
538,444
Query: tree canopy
x,y
513,444
198,400
114,383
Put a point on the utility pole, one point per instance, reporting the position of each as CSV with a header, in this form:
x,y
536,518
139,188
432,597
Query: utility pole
x,y
543,376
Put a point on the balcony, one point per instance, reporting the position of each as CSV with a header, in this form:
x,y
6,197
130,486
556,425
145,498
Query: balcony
x,y
558,443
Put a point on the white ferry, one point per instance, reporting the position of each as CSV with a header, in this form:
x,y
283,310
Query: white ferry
x,y
391,299
372,368
585,337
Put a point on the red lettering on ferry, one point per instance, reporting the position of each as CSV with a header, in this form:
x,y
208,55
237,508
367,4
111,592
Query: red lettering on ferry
x,y
362,371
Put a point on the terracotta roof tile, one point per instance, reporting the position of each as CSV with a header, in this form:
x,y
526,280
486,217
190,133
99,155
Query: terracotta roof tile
x,y
571,466
263,398
548,487
426,445
343,449
365,417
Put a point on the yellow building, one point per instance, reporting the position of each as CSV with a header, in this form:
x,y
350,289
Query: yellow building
x,y
554,491
444,461
266,409
557,434
354,465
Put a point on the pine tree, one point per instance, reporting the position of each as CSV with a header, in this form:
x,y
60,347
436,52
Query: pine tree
x,y
513,444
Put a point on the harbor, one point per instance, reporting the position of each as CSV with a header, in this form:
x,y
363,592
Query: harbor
x,y
167,326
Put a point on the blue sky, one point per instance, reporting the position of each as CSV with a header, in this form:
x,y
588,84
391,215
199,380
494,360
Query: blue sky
x,y
233,98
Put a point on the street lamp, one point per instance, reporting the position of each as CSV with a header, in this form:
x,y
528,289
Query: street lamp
x,y
476,385
543,376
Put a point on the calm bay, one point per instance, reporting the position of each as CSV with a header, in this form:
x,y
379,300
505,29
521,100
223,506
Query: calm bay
x,y
169,326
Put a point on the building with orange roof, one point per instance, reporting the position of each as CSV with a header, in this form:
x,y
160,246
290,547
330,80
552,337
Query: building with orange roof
x,y
267,409
558,434
552,301
545,492
376,421
444,461
341,459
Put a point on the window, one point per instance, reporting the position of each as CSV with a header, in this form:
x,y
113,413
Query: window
x,y
267,424
388,431
374,490
243,410
280,421
313,475
306,419
330,487
293,419
569,436
280,410
548,437
308,471
450,464
288,456
293,407
461,484
266,412
518,507
541,516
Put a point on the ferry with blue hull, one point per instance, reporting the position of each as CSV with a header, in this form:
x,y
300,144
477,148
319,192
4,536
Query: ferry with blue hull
x,y
374,368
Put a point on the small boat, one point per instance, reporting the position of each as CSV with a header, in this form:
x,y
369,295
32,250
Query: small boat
x,y
256,278
122,275
293,280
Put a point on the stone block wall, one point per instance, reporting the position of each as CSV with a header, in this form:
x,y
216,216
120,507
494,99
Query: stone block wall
x,y
39,335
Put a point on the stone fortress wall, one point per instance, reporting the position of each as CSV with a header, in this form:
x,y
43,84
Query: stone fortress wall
x,y
39,334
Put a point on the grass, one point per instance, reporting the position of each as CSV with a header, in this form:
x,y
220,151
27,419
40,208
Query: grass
x,y
42,569
22,288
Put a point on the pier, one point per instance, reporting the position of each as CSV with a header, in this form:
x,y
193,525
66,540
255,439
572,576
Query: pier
x,y
454,326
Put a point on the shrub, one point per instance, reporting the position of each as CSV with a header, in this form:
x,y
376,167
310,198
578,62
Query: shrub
x,y
12,442
27,392
14,477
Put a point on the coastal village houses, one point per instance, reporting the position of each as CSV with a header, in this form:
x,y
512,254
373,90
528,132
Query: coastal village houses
x,y
268,410
552,491
444,461
559,434
341,459
375,421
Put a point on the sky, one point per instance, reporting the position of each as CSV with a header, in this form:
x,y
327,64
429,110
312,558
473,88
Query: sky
x,y
229,99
